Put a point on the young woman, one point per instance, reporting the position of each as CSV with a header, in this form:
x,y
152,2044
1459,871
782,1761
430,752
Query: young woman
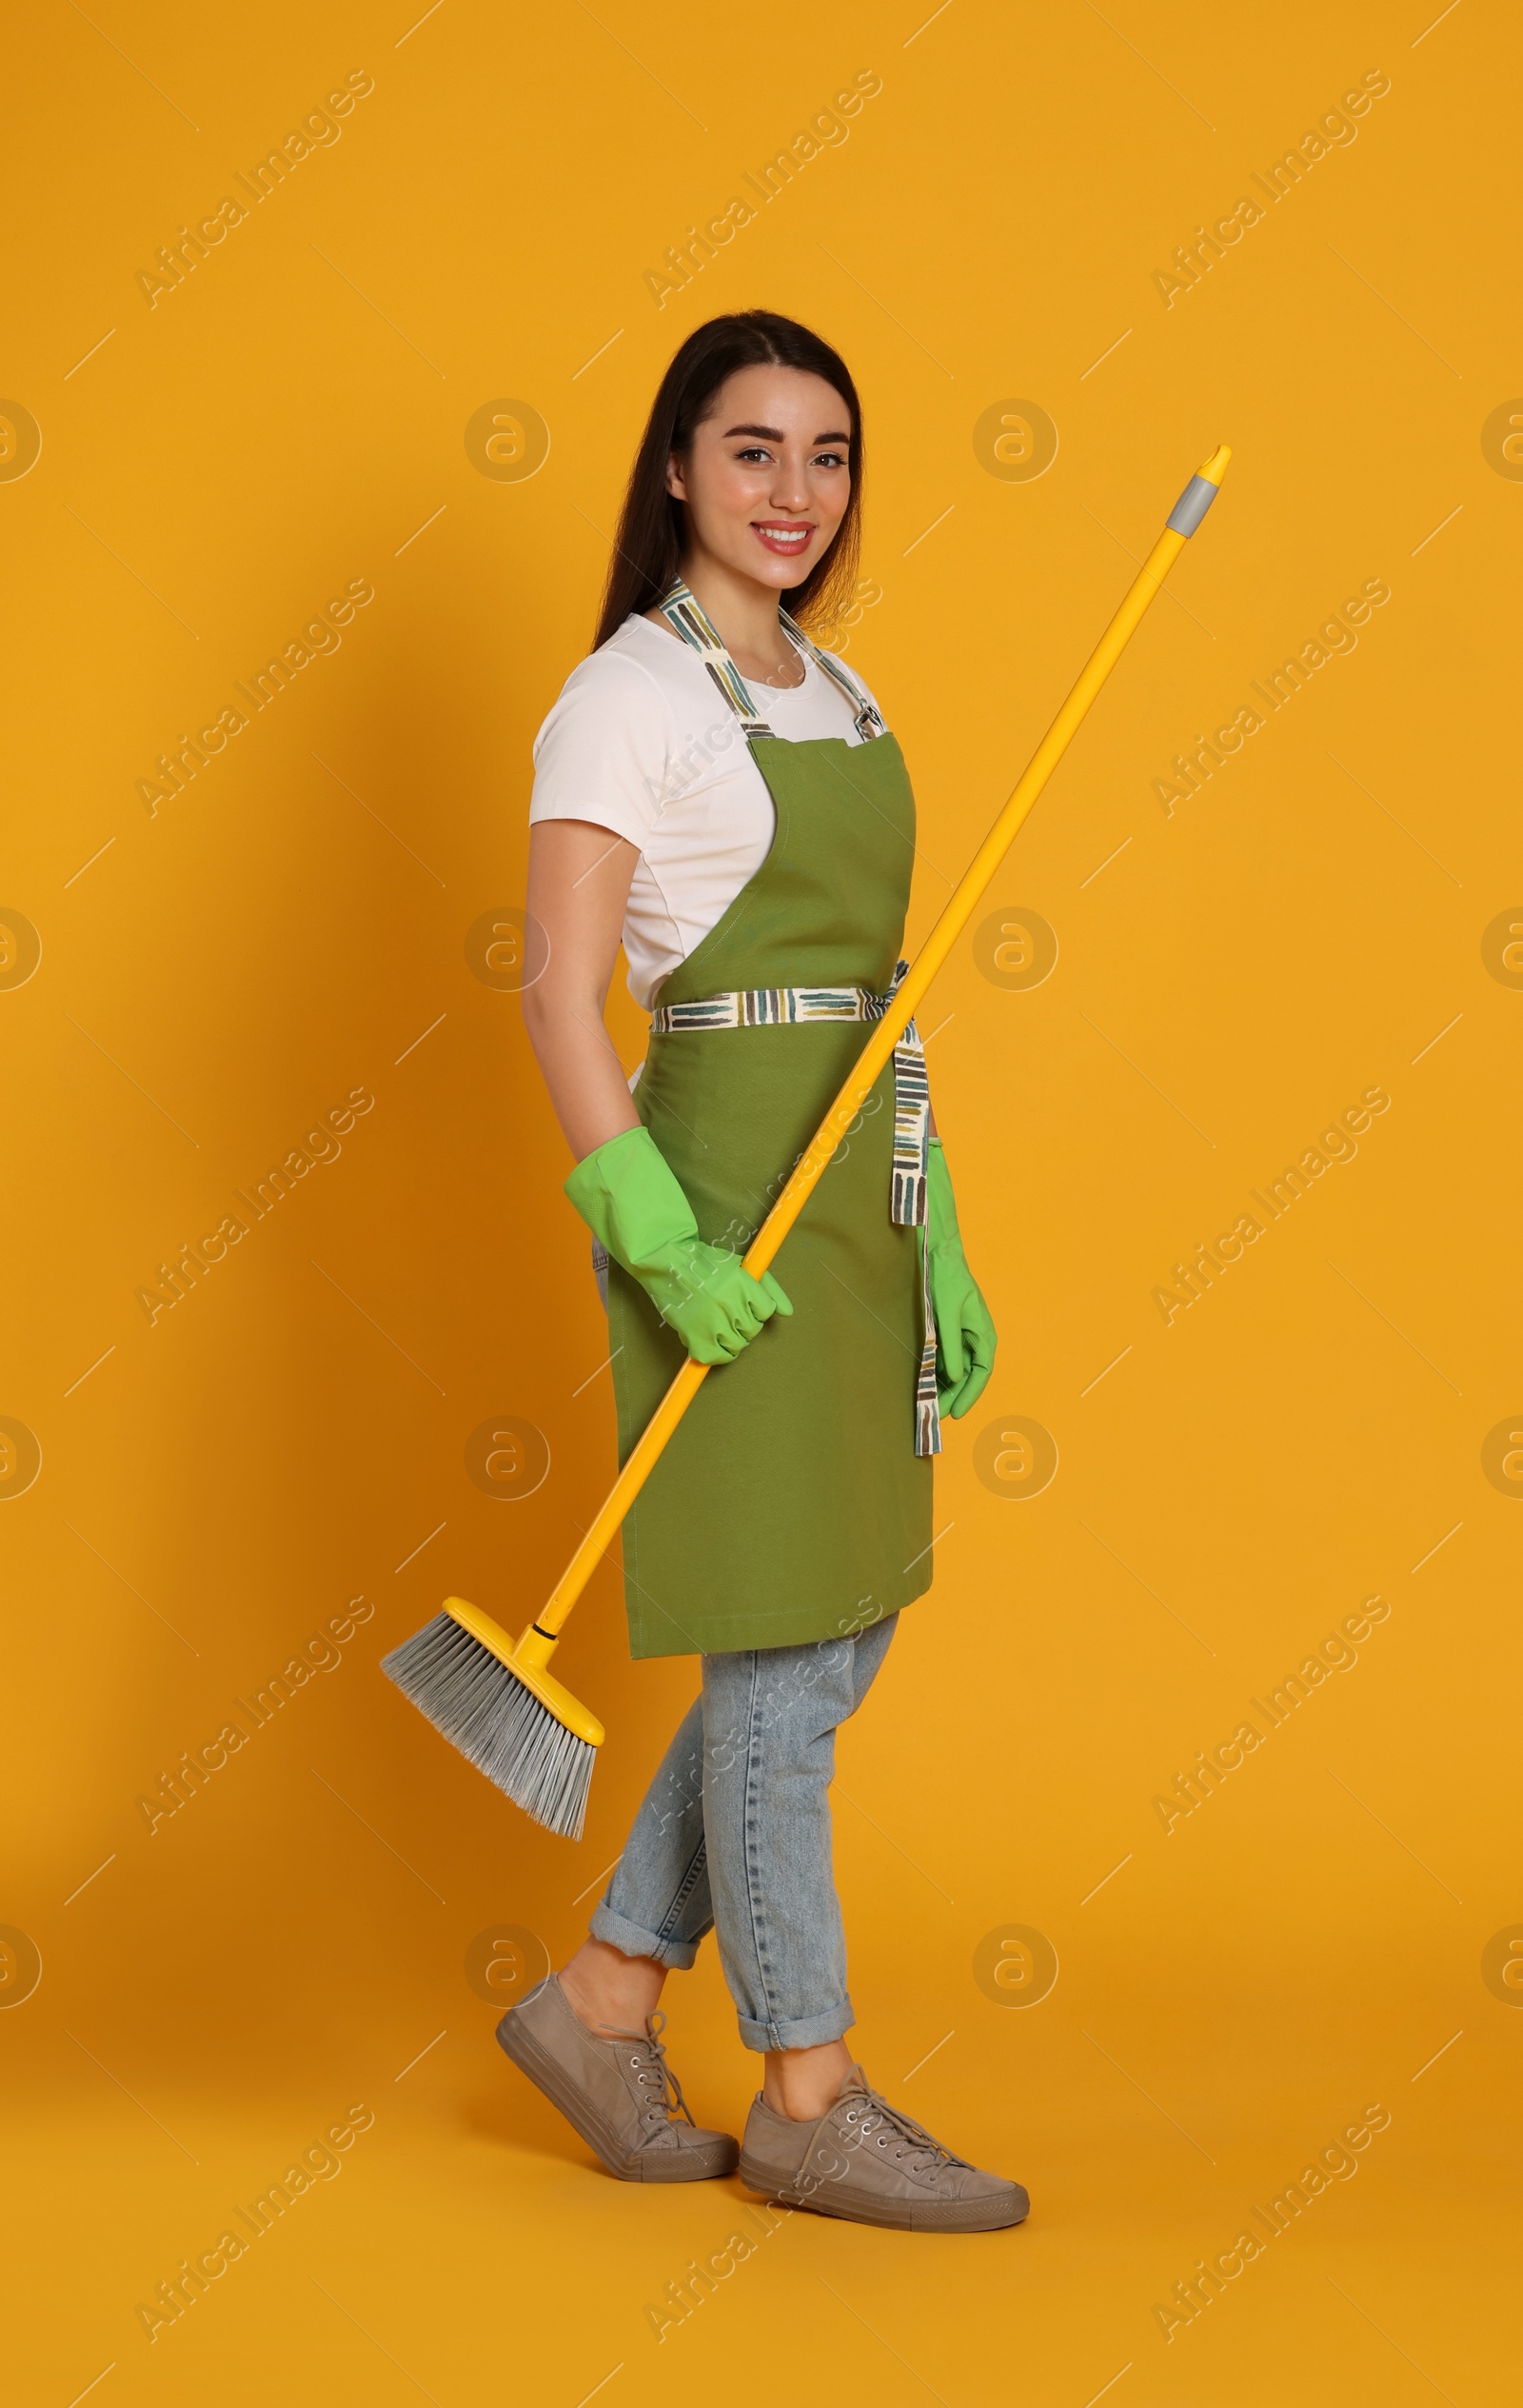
x,y
724,798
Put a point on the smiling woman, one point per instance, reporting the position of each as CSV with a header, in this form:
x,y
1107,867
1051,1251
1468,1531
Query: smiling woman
x,y
646,740
762,896
748,352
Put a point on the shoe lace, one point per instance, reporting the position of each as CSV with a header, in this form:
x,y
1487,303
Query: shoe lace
x,y
899,2135
651,2071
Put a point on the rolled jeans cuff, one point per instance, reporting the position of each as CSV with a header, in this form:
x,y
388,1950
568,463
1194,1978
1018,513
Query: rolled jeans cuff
x,y
678,1955
803,2031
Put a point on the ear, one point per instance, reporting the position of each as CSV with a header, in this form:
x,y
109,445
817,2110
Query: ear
x,y
676,484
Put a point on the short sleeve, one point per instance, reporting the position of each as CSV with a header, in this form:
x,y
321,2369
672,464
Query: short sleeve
x,y
603,753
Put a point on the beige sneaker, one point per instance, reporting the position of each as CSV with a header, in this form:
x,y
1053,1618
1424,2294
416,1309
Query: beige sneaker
x,y
866,2160
620,2092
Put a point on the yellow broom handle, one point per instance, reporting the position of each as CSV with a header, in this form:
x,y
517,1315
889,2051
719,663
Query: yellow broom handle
x,y
1190,508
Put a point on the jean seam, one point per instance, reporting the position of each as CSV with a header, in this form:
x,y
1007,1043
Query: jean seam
x,y
684,1890
753,1888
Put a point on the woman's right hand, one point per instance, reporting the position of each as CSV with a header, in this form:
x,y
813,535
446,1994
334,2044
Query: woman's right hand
x,y
708,1297
630,1199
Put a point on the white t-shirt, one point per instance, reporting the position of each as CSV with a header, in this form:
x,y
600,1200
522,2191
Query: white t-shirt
x,y
642,742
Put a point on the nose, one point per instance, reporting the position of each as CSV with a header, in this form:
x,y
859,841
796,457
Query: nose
x,y
790,488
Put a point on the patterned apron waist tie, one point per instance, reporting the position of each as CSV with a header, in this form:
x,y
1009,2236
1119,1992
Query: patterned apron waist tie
x,y
770,1007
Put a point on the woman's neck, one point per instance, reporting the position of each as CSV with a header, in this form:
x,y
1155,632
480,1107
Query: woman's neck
x,y
744,613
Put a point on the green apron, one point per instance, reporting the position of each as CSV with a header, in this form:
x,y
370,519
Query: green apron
x,y
790,1505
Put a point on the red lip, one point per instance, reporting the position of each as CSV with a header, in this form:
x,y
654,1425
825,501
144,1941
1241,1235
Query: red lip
x,y
767,530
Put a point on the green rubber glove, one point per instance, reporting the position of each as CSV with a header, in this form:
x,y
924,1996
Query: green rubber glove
x,y
965,1338
632,1203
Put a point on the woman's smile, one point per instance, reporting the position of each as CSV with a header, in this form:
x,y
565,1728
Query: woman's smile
x,y
785,537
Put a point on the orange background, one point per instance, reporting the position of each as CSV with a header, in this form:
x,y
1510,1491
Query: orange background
x,y
217,976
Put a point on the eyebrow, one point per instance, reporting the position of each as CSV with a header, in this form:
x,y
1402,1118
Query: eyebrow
x,y
775,434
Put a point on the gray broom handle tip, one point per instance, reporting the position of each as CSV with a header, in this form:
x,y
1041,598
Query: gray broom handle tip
x,y
1192,505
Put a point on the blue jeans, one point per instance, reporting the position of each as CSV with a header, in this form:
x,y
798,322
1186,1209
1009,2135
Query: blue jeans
x,y
734,1836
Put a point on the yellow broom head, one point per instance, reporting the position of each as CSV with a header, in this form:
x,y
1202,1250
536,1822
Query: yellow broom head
x,y
496,1702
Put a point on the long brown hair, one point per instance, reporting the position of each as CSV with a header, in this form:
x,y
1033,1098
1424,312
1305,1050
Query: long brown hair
x,y
649,540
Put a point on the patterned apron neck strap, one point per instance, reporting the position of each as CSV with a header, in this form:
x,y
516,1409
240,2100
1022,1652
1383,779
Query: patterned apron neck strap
x,y
685,615
864,711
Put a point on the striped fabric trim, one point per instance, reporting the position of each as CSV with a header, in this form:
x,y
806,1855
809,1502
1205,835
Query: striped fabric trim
x,y
927,1404
912,1139
766,1007
685,615
866,711
775,1006
912,1127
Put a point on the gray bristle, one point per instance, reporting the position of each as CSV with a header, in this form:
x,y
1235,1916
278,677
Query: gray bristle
x,y
492,1718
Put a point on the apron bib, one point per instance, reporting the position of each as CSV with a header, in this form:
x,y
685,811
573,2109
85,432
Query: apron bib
x,y
790,1505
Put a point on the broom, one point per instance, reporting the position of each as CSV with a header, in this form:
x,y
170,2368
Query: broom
x,y
492,1696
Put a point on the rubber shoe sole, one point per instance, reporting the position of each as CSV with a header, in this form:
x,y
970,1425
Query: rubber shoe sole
x,y
988,2214
663,2165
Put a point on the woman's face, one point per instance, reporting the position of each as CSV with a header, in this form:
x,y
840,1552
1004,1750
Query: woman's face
x,y
767,481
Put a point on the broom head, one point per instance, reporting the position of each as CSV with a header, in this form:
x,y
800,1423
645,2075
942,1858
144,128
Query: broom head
x,y
503,1710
